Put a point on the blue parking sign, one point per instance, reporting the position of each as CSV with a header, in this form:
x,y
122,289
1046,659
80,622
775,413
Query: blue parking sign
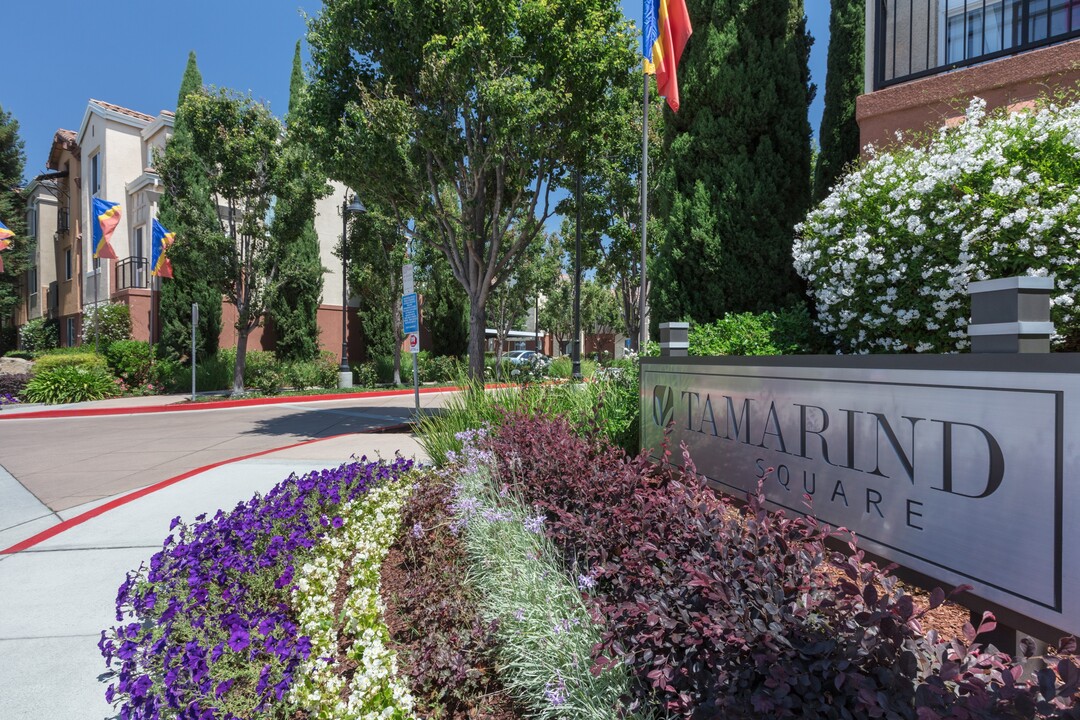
x,y
409,313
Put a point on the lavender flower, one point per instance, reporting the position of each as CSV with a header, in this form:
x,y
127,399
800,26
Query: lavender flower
x,y
535,524
555,692
417,530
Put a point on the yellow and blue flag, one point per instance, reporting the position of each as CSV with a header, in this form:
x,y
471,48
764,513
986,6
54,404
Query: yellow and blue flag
x,y
107,216
667,28
159,246
5,241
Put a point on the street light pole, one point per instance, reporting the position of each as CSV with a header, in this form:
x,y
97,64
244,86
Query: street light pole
x,y
355,207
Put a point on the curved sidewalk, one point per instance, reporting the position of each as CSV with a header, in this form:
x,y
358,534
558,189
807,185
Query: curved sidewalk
x,y
58,593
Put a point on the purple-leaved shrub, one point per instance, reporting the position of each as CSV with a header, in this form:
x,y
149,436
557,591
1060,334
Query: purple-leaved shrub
x,y
739,612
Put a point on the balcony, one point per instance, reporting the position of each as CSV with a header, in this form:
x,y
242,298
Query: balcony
x,y
132,272
917,38
63,221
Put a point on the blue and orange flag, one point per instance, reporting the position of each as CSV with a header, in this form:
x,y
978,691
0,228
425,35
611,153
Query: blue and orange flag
x,y
107,216
667,28
5,241
159,246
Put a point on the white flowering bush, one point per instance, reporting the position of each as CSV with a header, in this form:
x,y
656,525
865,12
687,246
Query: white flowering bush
x,y
888,255
368,526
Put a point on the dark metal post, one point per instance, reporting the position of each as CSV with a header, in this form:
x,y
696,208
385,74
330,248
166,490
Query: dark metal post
x,y
576,357
344,371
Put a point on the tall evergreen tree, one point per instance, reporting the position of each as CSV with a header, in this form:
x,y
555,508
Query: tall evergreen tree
x,y
13,215
736,170
843,83
294,308
187,209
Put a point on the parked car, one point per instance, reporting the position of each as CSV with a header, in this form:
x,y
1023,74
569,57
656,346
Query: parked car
x,y
528,357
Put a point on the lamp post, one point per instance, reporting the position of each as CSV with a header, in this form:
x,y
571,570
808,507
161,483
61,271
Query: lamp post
x,y
355,208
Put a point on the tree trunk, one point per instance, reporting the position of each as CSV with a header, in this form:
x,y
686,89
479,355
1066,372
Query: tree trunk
x,y
477,328
241,360
397,325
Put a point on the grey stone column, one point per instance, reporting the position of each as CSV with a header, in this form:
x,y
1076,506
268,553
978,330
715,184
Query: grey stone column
x,y
1011,315
674,339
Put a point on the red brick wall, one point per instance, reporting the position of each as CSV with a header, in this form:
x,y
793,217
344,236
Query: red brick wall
x,y
928,103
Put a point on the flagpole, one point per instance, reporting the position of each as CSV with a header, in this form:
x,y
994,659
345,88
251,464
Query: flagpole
x,y
642,327
97,325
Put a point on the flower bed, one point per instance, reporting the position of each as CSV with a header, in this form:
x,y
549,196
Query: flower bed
x,y
220,624
445,647
721,611
546,566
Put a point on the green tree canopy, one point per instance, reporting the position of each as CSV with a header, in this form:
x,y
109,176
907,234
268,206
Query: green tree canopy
x,y
376,255
460,115
736,172
12,213
248,167
295,306
188,210
843,84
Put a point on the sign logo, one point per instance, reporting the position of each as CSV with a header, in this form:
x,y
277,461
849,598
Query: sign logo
x,y
663,406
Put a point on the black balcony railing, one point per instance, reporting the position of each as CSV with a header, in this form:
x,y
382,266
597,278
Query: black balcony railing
x,y
63,222
132,272
916,38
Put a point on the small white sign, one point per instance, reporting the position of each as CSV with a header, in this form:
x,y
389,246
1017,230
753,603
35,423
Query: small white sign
x,y
407,279
414,342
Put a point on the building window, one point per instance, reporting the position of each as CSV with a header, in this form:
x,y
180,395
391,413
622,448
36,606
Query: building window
x,y
31,221
67,264
95,174
70,339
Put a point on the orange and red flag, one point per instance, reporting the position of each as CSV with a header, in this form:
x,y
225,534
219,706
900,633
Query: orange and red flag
x,y
667,28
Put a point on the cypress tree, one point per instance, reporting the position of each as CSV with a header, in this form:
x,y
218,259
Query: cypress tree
x,y
13,215
187,209
843,83
294,308
736,171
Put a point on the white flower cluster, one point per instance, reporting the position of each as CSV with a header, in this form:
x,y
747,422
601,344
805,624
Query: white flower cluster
x,y
375,691
888,255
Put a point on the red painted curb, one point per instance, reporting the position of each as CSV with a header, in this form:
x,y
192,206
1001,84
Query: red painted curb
x,y
142,492
218,404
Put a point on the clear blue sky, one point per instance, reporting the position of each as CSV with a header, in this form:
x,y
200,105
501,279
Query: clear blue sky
x,y
61,53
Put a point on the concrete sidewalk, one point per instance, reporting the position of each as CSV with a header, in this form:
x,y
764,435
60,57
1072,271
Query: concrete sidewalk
x,y
57,596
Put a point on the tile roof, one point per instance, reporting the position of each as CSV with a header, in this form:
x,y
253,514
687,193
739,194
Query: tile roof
x,y
123,110
62,140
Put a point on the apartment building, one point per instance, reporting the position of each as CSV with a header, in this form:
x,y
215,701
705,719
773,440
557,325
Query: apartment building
x,y
51,287
112,157
925,59
38,284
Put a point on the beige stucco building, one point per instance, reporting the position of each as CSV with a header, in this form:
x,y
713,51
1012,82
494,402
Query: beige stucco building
x,y
112,157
